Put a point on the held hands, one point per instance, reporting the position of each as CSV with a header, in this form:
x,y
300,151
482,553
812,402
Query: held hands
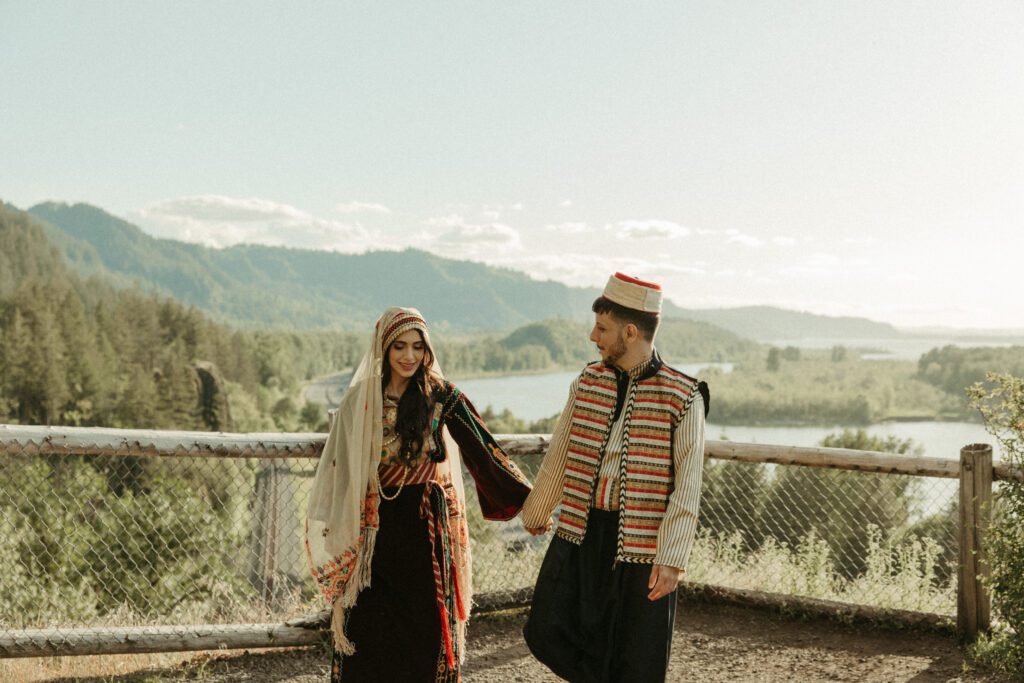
x,y
664,580
538,530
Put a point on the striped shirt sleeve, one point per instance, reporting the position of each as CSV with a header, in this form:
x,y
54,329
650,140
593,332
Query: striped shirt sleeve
x,y
675,537
547,489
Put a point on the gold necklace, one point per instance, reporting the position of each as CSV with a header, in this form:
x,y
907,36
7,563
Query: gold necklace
x,y
405,472
380,489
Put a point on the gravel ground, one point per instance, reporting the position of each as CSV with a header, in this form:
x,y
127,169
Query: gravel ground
x,y
712,642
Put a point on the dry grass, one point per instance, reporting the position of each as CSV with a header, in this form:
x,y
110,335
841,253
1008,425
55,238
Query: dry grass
x,y
899,574
33,669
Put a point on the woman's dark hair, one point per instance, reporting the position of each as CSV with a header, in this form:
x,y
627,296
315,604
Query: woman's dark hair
x,y
646,323
415,404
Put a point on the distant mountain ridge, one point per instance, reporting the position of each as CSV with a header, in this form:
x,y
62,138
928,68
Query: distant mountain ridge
x,y
767,323
259,286
272,286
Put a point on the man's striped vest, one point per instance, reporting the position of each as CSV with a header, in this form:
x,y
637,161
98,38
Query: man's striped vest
x,y
652,410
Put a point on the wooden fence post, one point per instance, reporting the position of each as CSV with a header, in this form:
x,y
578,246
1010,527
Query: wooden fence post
x,y
973,607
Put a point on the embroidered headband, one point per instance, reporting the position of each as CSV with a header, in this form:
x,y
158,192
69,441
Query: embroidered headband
x,y
633,293
401,324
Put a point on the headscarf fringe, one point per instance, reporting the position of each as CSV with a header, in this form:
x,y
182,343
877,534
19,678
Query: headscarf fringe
x,y
461,639
347,599
341,642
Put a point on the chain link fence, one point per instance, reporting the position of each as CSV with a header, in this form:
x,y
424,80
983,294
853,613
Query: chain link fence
x,y
180,534
880,540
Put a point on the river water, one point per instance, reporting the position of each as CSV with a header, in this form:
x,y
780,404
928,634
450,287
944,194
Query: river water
x,y
531,397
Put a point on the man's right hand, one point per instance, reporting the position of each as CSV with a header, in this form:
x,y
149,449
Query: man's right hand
x,y
537,531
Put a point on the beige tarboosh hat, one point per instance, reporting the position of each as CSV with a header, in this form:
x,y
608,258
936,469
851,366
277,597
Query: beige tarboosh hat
x,y
633,293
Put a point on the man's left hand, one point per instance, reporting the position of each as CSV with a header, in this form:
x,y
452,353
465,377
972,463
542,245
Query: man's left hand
x,y
664,580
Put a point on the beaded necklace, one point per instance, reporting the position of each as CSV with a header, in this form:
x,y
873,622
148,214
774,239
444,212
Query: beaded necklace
x,y
385,444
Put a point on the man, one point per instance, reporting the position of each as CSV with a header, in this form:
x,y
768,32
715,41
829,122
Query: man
x,y
624,465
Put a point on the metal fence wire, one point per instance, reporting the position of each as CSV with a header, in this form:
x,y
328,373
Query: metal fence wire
x,y
100,539
881,540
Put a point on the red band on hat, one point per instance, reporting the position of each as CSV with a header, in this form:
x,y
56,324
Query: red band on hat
x,y
636,281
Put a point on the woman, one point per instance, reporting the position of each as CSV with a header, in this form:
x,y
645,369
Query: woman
x,y
386,522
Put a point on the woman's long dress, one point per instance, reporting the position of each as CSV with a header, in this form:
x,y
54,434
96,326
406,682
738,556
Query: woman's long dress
x,y
403,624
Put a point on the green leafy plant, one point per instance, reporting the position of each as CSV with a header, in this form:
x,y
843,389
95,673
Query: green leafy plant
x,y
1001,403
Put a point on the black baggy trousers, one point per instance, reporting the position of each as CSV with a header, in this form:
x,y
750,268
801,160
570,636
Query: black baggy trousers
x,y
591,621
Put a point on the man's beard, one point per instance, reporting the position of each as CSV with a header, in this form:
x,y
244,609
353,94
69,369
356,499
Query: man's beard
x,y
617,351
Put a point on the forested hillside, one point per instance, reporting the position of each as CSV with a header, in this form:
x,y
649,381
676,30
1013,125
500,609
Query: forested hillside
x,y
257,286
80,352
565,344
260,287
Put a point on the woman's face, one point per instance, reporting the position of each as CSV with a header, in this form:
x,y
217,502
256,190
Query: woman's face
x,y
405,354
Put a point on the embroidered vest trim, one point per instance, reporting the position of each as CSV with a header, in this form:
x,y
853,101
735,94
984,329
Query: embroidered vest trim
x,y
653,407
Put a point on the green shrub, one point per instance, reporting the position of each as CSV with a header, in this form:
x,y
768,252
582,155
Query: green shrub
x,y
1001,403
75,549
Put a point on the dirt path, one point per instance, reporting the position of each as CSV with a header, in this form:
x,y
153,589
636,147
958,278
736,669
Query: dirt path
x,y
712,643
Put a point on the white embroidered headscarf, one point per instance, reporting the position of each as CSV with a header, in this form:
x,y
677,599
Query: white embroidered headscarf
x,y
341,520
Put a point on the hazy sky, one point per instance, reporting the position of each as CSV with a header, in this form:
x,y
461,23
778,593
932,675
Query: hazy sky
x,y
862,158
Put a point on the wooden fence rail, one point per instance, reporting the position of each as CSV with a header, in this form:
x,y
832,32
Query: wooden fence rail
x,y
975,471
18,439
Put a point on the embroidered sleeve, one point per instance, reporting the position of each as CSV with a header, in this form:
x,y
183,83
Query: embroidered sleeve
x,y
500,486
550,480
675,537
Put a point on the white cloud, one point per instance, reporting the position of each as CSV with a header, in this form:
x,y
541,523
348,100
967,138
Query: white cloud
x,y
650,229
518,206
220,221
215,207
666,270
361,207
491,233
592,270
737,237
565,203
455,237
784,241
817,265
569,228
575,269
824,260
451,220
490,215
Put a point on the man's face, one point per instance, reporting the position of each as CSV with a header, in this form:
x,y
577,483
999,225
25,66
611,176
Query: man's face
x,y
609,336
